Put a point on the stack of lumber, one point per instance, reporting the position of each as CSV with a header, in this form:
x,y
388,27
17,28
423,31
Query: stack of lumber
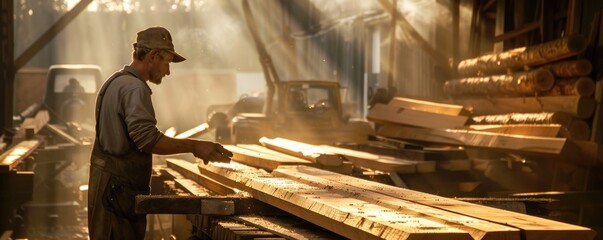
x,y
556,135
360,209
325,154
230,216
16,154
545,81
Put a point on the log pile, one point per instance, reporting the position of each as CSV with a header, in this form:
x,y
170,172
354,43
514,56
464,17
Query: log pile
x,y
540,78
543,86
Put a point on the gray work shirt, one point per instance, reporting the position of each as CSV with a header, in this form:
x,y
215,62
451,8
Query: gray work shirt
x,y
127,117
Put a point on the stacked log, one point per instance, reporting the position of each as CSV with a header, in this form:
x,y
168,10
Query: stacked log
x,y
540,78
525,56
581,86
517,84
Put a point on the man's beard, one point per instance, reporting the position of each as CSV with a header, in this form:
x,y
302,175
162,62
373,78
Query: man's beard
x,y
155,78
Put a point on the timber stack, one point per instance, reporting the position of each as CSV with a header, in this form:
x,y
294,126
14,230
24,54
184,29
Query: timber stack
x,y
545,79
305,202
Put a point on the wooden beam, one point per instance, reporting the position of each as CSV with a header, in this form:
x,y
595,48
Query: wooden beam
x,y
536,130
289,228
380,162
205,205
47,36
201,129
342,214
476,139
381,113
582,107
500,26
268,151
191,171
428,106
191,187
31,126
532,228
410,30
66,136
479,229
575,128
261,160
16,154
517,32
301,150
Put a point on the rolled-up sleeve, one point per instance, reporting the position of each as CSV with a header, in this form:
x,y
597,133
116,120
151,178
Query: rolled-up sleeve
x,y
140,120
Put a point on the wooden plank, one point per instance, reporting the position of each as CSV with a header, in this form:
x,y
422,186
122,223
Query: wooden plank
x,y
576,128
290,228
191,187
301,150
16,154
532,228
427,106
479,229
342,214
56,130
536,130
191,171
582,107
226,205
200,129
381,113
268,151
380,163
262,160
33,125
477,139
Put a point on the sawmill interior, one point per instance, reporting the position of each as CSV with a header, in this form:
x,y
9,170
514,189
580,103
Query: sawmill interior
x,y
347,119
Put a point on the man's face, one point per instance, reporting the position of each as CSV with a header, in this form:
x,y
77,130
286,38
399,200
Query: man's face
x,y
160,66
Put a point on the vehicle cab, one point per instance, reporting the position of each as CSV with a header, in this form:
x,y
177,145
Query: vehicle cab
x,y
71,93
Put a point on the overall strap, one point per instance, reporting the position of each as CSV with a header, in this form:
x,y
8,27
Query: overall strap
x,y
101,94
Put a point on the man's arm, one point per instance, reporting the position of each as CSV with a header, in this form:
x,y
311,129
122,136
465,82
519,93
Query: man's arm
x,y
208,151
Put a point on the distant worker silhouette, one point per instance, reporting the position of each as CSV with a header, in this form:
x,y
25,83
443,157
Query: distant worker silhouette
x,y
297,101
73,87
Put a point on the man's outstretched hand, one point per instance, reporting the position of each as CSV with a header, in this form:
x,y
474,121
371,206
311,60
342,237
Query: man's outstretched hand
x,y
211,152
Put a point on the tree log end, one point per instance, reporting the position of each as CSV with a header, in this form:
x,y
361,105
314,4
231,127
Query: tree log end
x,y
543,80
585,87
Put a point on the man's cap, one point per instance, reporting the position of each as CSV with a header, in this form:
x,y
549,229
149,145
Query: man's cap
x,y
157,38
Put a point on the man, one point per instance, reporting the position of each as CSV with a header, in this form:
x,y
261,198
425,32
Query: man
x,y
74,86
127,136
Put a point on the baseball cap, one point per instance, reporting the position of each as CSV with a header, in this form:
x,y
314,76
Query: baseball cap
x,y
157,38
